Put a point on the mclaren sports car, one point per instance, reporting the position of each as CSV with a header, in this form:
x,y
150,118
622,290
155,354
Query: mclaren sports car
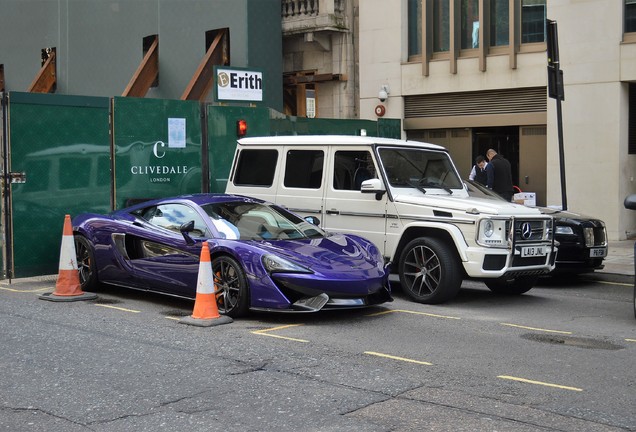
x,y
263,257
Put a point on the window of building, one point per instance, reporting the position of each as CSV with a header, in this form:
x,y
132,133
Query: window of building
x,y
415,27
441,26
630,16
533,17
499,23
631,134
505,23
304,169
256,168
469,24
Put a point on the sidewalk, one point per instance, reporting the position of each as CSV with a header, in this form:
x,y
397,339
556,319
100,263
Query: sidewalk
x,y
620,258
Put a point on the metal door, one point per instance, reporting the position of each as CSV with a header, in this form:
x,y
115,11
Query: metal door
x,y
533,161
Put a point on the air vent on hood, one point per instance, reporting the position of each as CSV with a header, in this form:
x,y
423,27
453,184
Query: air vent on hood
x,y
442,214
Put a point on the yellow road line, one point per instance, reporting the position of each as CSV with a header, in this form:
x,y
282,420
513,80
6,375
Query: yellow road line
x,y
537,329
25,291
630,340
173,318
118,308
414,313
398,358
615,283
264,332
507,377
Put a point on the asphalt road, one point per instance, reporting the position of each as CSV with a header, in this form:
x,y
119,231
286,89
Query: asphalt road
x,y
560,358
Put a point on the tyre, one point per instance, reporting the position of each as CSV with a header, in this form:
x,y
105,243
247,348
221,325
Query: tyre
x,y
512,286
230,283
429,271
86,264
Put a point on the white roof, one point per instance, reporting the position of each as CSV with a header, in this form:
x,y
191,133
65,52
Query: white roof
x,y
333,140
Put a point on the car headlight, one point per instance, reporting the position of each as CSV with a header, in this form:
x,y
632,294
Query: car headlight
x,y
588,233
275,263
492,232
560,229
489,228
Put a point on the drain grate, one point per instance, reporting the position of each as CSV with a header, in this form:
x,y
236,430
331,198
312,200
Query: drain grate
x,y
573,341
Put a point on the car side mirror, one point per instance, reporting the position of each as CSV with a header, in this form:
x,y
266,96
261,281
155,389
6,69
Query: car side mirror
x,y
186,229
312,220
630,202
375,186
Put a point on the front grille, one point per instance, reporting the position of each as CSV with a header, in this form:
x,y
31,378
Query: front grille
x,y
526,231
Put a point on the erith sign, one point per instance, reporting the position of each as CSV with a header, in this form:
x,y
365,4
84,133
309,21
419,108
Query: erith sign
x,y
239,85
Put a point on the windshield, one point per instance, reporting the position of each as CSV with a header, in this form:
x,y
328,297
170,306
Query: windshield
x,y
254,221
419,169
480,191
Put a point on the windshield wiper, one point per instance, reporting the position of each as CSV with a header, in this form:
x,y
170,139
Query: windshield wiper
x,y
437,186
417,186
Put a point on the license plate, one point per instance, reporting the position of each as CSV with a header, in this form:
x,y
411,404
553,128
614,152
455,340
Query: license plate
x,y
532,251
598,252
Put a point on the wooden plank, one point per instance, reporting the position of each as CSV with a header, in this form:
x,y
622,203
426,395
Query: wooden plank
x,y
203,78
146,73
45,80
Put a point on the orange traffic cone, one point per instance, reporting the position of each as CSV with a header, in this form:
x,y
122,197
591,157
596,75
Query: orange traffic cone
x,y
68,287
206,312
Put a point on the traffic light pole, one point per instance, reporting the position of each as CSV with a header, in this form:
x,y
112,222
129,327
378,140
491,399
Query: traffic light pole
x,y
555,90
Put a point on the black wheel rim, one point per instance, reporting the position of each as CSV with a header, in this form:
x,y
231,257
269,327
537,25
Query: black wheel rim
x,y
83,262
227,285
422,271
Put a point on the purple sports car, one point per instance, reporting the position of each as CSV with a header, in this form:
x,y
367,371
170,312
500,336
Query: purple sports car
x,y
263,256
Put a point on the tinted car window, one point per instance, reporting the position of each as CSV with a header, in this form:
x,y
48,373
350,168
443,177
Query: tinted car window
x,y
351,168
172,216
256,168
304,169
253,221
409,167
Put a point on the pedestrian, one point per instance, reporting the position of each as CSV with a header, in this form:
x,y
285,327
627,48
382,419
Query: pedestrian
x,y
499,175
478,173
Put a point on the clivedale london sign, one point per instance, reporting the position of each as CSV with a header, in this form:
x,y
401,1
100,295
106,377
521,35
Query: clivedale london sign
x,y
163,173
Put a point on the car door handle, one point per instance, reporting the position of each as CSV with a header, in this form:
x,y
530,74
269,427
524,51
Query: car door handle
x,y
332,212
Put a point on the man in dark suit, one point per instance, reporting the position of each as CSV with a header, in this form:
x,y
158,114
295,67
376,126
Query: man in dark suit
x,y
478,173
499,175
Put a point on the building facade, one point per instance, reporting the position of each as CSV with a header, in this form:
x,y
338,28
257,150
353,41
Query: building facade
x,y
319,58
467,74
99,45
472,75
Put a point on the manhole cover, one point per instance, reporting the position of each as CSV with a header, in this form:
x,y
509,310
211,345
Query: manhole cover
x,y
578,342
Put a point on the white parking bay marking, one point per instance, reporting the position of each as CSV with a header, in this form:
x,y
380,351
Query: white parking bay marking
x,y
414,313
23,291
264,332
527,381
373,353
536,329
118,308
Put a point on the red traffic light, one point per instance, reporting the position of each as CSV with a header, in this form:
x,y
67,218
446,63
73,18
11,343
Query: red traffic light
x,y
241,128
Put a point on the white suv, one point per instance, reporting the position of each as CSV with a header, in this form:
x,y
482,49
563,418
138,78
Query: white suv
x,y
407,198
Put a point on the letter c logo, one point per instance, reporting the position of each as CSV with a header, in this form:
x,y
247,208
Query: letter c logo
x,y
155,152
